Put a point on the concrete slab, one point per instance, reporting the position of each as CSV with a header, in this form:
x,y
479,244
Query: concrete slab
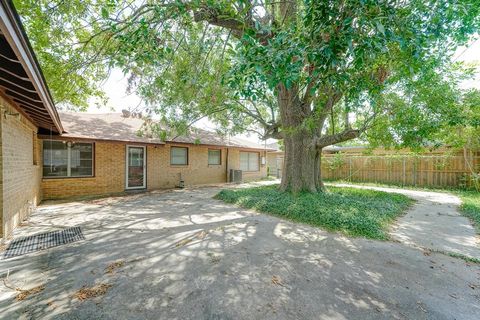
x,y
187,256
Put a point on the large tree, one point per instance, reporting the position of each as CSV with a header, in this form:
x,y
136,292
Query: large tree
x,y
312,73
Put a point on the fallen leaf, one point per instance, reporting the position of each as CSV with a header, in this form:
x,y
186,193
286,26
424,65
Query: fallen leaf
x,y
421,306
214,259
183,242
87,293
110,269
277,281
23,294
199,235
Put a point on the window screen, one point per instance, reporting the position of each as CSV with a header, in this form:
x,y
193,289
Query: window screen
x,y
214,157
249,161
55,159
178,156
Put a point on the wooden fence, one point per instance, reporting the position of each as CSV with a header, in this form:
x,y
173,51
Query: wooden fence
x,y
416,170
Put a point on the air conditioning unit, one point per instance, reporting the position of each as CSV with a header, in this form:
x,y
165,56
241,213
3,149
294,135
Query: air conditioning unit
x,y
236,176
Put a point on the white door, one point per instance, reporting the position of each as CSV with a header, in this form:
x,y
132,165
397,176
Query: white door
x,y
136,173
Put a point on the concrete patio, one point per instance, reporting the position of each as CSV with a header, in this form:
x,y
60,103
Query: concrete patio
x,y
183,255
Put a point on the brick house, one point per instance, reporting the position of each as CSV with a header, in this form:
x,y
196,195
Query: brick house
x,y
45,154
104,154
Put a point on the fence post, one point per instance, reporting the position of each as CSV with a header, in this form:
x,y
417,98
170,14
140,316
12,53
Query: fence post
x,y
404,172
414,171
350,169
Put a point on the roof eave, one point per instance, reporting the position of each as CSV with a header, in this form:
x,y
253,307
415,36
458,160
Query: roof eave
x,y
18,40
68,137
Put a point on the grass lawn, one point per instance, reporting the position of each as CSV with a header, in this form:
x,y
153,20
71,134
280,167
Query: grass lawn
x,y
354,212
470,206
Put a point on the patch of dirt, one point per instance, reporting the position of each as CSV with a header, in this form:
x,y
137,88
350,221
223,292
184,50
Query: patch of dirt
x,y
87,293
110,269
23,294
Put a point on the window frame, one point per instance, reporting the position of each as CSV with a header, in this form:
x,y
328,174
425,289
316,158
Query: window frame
x,y
35,149
69,160
258,161
219,157
187,160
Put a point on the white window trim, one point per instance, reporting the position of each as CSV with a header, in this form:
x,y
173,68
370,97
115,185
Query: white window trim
x,y
144,167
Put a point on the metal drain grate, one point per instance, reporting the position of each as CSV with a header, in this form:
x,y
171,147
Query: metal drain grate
x,y
42,241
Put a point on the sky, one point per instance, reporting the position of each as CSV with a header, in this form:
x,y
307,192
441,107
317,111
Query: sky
x,y
116,84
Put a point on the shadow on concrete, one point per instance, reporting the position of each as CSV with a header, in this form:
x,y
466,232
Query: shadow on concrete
x,y
188,256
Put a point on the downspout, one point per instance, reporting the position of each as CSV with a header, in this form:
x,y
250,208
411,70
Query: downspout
x,y
226,165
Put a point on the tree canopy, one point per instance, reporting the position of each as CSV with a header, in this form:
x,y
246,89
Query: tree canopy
x,y
313,73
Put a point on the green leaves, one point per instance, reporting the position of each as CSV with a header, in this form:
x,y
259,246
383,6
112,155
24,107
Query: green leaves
x,y
380,27
57,30
104,12
389,61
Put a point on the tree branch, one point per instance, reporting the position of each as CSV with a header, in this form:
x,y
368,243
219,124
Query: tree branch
x,y
213,17
327,108
345,135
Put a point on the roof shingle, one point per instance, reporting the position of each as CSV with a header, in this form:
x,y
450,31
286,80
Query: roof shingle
x,y
116,127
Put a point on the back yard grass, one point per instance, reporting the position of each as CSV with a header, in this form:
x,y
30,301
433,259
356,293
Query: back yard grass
x,y
354,212
469,208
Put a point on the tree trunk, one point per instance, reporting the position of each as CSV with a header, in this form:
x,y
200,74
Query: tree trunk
x,y
301,162
318,171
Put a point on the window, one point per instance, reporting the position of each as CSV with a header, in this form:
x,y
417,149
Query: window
x,y
178,156
214,157
135,157
81,160
67,159
249,161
